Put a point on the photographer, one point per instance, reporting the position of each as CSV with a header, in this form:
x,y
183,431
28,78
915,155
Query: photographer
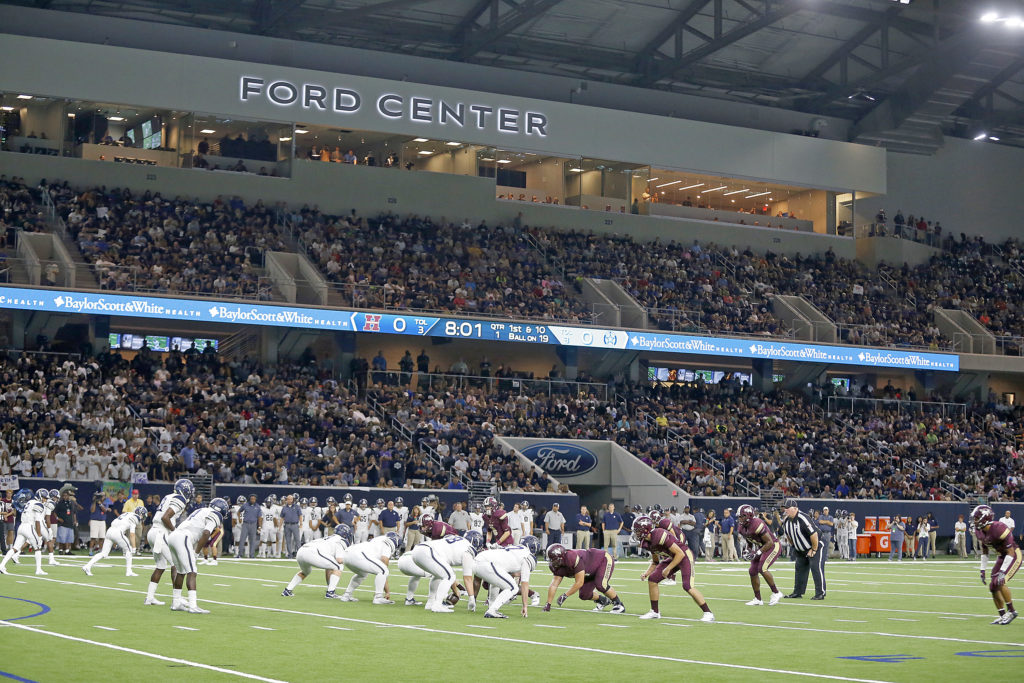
x,y
97,522
67,519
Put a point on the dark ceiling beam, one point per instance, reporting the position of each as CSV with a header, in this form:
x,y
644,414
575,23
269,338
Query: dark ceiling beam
x,y
901,104
851,44
668,68
644,55
909,26
469,19
972,108
527,11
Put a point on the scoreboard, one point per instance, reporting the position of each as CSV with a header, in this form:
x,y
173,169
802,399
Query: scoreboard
x,y
366,322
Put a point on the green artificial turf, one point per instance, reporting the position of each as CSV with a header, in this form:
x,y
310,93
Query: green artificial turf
x,y
937,612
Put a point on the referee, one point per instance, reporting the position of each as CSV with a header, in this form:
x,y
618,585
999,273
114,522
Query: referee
x,y
803,538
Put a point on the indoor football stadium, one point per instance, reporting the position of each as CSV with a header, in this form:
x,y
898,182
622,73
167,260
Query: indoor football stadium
x,y
719,368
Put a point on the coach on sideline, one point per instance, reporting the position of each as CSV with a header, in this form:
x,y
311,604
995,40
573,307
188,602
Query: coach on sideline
x,y
810,555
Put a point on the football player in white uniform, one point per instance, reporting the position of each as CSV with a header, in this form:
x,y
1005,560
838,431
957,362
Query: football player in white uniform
x,y
363,513
515,523
118,534
168,515
428,506
185,542
268,531
507,571
438,557
32,530
476,519
372,557
322,553
306,514
51,524
526,512
375,527
404,512
316,515
407,565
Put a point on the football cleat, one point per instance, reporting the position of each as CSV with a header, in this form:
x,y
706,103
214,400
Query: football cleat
x,y
755,601
442,609
998,621
412,602
40,572
708,616
617,609
153,601
494,615
383,601
197,610
345,597
651,615
87,570
130,574
330,595
3,570
598,608
774,600
1008,617
535,600
179,607
212,562
287,593
668,582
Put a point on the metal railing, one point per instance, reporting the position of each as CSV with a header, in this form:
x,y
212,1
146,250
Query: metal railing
x,y
134,279
853,403
679,320
953,490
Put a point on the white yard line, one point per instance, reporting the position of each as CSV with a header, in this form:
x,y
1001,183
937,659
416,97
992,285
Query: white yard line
x,y
338,628
491,628
547,626
141,653
897,619
263,628
614,625
105,628
186,628
861,621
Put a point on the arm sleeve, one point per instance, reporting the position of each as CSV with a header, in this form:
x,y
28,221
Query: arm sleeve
x,y
984,561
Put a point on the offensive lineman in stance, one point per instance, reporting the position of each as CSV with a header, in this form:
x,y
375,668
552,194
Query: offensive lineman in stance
x,y
322,553
668,556
763,549
591,571
995,534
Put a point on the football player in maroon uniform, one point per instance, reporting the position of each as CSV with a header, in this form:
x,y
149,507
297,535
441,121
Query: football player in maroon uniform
x,y
433,529
669,555
994,534
496,523
763,550
591,571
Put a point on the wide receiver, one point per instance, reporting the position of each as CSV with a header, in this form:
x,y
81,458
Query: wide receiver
x,y
32,531
995,534
668,556
763,549
168,515
322,553
591,571
184,542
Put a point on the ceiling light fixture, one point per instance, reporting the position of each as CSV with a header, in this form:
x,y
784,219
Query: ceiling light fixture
x,y
301,131
746,189
7,108
674,182
24,97
759,194
453,144
207,131
690,187
576,170
425,152
420,140
651,180
284,139
504,161
714,189
981,136
115,118
993,138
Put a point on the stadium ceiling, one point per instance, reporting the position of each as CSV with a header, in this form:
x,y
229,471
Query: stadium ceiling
x,y
904,74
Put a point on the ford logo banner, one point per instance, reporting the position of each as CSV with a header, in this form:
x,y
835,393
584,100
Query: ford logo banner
x,y
561,459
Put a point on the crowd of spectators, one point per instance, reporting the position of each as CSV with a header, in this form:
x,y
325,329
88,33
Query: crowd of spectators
x,y
145,242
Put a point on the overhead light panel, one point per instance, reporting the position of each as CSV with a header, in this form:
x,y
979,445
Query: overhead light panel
x,y
420,140
714,189
425,152
301,131
651,180
981,136
504,161
453,144
746,189
690,187
24,97
576,170
759,194
207,131
7,108
994,138
674,182
115,118
284,139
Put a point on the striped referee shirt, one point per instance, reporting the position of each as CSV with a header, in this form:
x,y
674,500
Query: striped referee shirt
x,y
799,531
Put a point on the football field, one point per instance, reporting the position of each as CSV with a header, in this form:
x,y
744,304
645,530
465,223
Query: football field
x,y
909,621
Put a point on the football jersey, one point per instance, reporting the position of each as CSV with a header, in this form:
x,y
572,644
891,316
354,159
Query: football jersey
x,y
427,510
35,511
172,501
757,532
125,522
331,546
515,559
315,515
476,521
586,561
363,520
662,542
527,520
456,550
998,536
203,519
374,548
267,513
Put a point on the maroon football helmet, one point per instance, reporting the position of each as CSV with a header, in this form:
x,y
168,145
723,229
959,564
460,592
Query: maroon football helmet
x,y
982,516
745,513
426,524
656,515
490,504
642,527
556,554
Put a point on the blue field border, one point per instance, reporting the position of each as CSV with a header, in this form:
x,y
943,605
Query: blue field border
x,y
44,609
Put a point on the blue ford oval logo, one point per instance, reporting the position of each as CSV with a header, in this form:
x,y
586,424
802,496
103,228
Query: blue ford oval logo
x,y
561,459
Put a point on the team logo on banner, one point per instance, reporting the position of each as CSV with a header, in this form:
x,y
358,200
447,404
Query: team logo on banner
x,y
371,323
561,459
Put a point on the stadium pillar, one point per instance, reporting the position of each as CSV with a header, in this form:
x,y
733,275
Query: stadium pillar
x,y
569,355
763,375
270,343
345,345
19,323
99,331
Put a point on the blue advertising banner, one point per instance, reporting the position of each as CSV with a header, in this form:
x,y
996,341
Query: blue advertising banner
x,y
199,310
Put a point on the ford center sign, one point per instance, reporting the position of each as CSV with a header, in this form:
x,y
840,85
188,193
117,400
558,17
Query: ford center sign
x,y
561,459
